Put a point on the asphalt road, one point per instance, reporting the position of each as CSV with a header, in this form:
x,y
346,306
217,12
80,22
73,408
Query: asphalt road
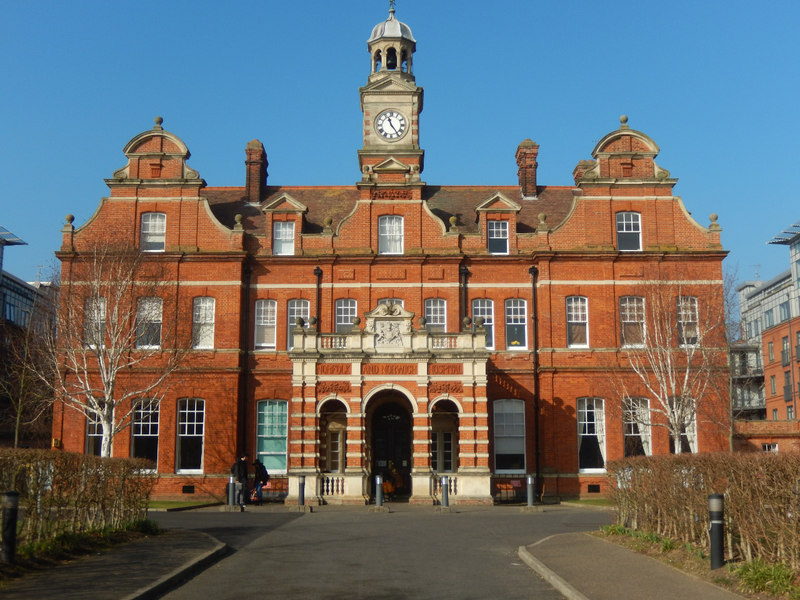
x,y
350,553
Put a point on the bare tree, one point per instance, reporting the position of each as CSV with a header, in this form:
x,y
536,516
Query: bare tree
x,y
113,347
674,342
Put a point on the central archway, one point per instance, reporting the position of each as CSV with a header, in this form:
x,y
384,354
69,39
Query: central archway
x,y
391,443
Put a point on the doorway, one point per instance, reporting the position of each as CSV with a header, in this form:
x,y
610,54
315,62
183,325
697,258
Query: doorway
x,y
391,447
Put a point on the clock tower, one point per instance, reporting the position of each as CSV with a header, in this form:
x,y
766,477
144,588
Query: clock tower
x,y
391,103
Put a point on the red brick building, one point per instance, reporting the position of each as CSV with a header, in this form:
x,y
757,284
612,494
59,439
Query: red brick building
x,y
398,328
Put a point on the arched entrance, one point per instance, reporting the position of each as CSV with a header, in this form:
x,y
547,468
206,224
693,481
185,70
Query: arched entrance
x,y
390,443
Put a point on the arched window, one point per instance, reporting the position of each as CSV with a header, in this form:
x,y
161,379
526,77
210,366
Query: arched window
x,y
391,59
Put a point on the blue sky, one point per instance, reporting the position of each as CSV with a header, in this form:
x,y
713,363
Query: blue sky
x,y
714,83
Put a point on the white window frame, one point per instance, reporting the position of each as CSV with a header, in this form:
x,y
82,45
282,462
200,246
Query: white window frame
x,y
94,435
592,423
94,322
516,315
283,238
631,313
577,308
191,425
272,435
296,308
636,423
436,315
509,432
153,232
443,451
390,234
144,424
203,309
629,228
497,237
484,307
149,316
265,334
346,310
769,447
688,320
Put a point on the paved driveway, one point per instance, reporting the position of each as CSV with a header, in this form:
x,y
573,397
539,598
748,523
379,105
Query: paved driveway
x,y
350,553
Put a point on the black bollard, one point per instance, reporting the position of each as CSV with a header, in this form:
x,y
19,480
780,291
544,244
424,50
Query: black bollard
x,y
530,490
10,510
378,490
445,497
715,517
301,490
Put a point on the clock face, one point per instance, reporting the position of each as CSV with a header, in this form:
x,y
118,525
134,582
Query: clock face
x,y
390,124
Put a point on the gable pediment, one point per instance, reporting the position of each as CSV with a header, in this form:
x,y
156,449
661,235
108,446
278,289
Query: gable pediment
x,y
391,84
284,203
498,202
391,165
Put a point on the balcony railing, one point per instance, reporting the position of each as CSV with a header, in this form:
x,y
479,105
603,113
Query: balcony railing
x,y
308,340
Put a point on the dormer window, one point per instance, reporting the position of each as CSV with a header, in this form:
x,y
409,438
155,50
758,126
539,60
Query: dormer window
x,y
497,237
629,231
153,232
283,238
390,234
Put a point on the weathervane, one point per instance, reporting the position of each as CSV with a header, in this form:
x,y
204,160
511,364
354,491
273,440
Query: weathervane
x,y
391,5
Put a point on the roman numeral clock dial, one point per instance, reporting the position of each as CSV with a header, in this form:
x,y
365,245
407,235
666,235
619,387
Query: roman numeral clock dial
x,y
390,124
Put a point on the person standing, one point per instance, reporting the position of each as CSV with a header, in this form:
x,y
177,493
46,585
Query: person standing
x,y
261,479
239,472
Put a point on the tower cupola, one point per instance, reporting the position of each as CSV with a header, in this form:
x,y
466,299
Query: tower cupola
x,y
391,47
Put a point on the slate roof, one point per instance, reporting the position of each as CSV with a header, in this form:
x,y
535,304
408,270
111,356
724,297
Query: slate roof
x,y
337,202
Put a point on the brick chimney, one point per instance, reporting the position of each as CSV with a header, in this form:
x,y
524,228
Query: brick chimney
x,y
526,155
256,164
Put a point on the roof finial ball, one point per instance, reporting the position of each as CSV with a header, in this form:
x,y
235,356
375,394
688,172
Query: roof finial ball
x,y
623,122
158,121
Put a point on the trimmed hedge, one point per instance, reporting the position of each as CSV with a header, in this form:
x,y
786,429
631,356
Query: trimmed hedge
x,y
63,492
668,495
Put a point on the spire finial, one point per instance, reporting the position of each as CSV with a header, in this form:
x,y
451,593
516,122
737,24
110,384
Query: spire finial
x,y
391,6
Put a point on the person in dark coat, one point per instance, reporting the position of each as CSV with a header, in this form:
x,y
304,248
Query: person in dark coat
x,y
261,479
239,472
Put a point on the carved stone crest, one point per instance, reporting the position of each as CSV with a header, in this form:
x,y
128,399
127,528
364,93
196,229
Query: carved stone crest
x,y
390,323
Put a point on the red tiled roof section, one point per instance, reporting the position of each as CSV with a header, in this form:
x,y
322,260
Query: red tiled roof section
x,y
444,201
